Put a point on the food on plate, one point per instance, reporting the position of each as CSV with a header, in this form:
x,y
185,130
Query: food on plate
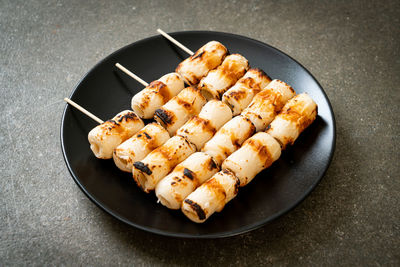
x,y
201,128
156,94
105,137
138,146
217,81
267,118
267,103
256,154
297,114
180,109
156,165
229,138
208,57
184,178
211,196
239,96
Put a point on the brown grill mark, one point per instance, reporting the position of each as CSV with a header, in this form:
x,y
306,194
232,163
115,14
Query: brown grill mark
x,y
198,55
211,60
226,171
185,105
169,153
237,94
250,83
196,207
127,117
293,113
160,88
166,152
214,186
165,116
205,124
188,173
211,164
142,167
147,135
262,151
237,185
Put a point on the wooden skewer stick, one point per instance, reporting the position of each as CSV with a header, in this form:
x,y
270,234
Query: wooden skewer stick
x,y
75,105
181,46
119,66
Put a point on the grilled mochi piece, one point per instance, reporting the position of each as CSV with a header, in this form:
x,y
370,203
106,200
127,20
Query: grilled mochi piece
x,y
217,81
156,94
229,138
138,146
239,96
211,196
201,128
105,137
255,155
267,103
184,179
180,109
208,57
156,165
297,114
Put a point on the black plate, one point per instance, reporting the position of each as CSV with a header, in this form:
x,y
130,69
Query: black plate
x,y
105,91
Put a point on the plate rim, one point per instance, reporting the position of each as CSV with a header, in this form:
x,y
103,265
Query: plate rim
x,y
223,234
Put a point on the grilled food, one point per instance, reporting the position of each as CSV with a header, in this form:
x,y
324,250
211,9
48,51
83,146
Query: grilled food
x,y
156,94
267,103
297,114
229,138
138,146
239,96
197,66
110,134
256,154
211,196
185,177
217,81
199,129
156,165
180,109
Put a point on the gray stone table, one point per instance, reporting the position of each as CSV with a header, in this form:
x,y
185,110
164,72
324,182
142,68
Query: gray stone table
x,y
352,48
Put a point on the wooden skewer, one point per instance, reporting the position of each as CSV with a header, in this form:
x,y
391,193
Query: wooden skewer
x,y
75,105
119,66
181,46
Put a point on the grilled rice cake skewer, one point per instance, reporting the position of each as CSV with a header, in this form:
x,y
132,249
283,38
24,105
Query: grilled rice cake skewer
x,y
255,155
190,137
226,141
104,138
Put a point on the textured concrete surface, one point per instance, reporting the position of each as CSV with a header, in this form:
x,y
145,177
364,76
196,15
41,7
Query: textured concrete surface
x,y
352,48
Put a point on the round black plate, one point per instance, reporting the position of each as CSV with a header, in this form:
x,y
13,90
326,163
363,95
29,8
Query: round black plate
x,y
105,91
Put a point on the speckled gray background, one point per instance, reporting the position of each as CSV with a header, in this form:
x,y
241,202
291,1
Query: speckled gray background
x,y
352,48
